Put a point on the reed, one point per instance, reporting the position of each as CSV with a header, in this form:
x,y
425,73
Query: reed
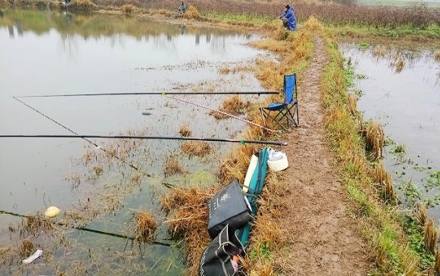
x,y
26,248
421,212
390,194
399,63
192,13
199,149
172,167
185,131
128,8
430,237
437,55
189,220
146,227
375,139
352,104
437,262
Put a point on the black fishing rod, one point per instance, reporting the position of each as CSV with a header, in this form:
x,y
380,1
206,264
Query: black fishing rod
x,y
241,141
82,228
150,94
85,139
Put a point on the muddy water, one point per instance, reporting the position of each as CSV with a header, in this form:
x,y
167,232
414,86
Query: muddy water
x,y
63,53
400,87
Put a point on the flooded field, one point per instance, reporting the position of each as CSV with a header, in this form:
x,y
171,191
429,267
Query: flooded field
x,y
400,87
105,184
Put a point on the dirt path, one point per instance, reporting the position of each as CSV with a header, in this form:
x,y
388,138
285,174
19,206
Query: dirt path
x,y
323,239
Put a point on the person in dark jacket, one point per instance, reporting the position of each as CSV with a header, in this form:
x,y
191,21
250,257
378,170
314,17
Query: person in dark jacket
x,y
288,18
182,8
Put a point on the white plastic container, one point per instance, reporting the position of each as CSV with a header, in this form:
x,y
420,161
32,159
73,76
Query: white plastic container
x,y
277,161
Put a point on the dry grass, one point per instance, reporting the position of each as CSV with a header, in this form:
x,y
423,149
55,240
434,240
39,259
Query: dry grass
x,y
389,191
233,70
189,220
193,148
379,173
234,105
128,8
421,213
172,166
375,139
84,5
430,237
26,248
437,55
192,13
399,63
185,131
352,104
437,262
379,50
146,227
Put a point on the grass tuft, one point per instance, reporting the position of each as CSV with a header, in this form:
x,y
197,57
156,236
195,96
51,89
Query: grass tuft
x,y
192,13
192,148
146,227
375,139
172,166
185,131
128,8
421,212
430,236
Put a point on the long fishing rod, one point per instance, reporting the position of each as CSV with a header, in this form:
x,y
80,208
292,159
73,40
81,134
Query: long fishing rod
x,y
221,112
151,94
241,141
81,228
85,139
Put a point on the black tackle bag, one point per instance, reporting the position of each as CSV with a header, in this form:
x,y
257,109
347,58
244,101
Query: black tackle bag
x,y
217,259
228,206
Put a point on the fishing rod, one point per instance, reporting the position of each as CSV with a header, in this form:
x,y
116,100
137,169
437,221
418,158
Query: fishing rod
x,y
241,141
85,139
151,94
82,228
222,112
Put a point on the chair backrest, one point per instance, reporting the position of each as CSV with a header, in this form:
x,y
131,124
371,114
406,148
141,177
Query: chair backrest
x,y
289,88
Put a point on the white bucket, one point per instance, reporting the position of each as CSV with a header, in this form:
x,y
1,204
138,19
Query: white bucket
x,y
278,165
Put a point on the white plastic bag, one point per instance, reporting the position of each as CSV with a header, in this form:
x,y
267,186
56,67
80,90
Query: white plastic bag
x,y
33,257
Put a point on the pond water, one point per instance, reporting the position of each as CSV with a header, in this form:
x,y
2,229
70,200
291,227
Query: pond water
x,y
400,88
45,52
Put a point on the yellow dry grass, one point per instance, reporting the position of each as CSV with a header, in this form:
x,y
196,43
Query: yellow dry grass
x,y
26,248
84,5
421,212
430,237
437,262
146,227
379,51
437,55
189,220
399,63
172,166
352,104
185,131
199,149
375,139
128,8
192,13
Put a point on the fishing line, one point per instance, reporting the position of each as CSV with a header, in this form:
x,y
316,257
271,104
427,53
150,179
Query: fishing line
x,y
151,94
221,112
84,138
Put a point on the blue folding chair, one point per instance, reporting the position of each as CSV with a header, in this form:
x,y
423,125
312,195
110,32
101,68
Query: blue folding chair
x,y
288,109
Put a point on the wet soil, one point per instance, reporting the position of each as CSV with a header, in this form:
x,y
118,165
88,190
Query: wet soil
x,y
323,239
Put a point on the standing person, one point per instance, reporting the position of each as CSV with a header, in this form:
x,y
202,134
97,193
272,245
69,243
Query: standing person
x,y
288,18
182,8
